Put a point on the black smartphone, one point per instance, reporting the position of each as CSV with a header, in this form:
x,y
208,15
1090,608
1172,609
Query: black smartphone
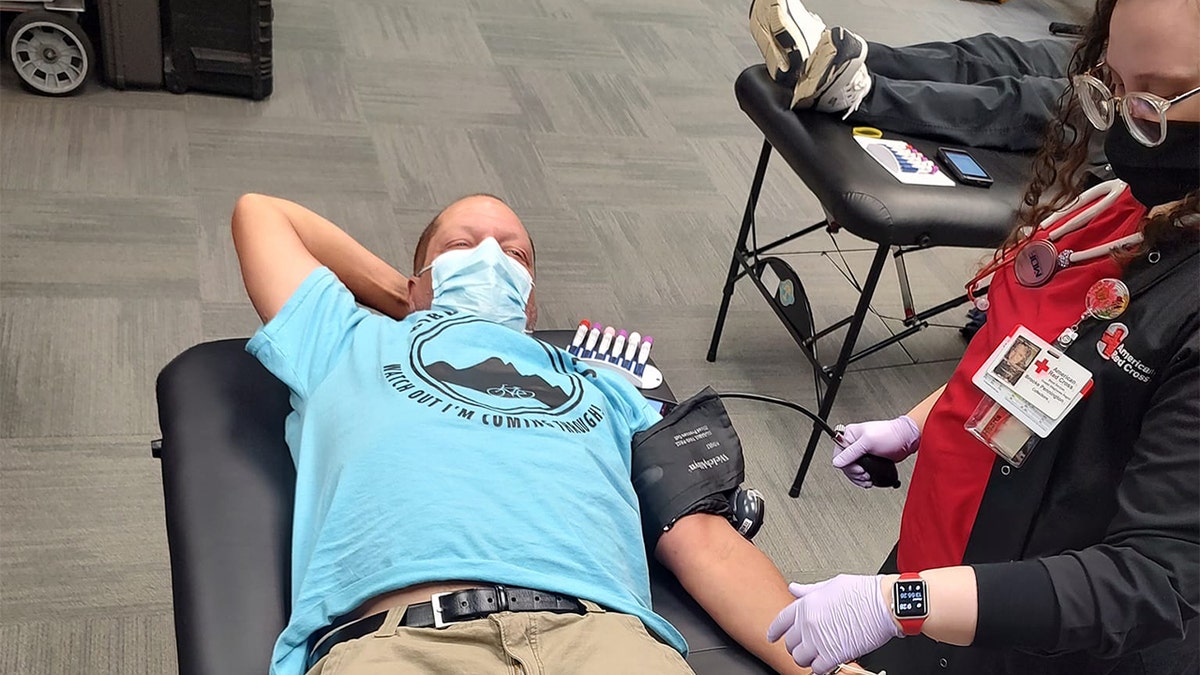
x,y
660,406
963,167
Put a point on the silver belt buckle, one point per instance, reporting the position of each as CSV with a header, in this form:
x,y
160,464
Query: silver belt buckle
x,y
435,601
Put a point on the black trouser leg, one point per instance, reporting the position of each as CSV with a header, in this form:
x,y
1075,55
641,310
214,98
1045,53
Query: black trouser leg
x,y
1007,113
971,60
982,91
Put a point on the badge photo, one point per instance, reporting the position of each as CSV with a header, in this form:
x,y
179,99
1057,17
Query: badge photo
x,y
1020,353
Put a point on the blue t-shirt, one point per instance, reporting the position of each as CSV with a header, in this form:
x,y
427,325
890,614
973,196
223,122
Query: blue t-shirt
x,y
447,447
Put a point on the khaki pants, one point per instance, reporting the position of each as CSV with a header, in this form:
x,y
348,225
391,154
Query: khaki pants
x,y
509,643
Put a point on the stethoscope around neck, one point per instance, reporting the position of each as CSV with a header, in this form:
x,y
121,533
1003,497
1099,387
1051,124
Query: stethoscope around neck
x,y
1036,261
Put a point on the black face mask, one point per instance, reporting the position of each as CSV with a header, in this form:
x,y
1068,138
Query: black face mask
x,y
1160,174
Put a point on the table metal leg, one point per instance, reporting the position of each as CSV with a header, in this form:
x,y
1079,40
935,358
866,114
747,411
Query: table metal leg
x,y
839,368
906,297
739,248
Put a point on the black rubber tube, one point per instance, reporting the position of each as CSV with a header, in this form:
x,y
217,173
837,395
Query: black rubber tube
x,y
882,471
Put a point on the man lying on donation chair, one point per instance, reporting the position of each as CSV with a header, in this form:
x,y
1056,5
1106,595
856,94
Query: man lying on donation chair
x,y
439,448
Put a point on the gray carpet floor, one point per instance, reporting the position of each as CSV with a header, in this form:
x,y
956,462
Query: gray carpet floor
x,y
611,127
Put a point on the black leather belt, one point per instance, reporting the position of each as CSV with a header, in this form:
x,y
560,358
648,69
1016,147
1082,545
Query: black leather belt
x,y
444,609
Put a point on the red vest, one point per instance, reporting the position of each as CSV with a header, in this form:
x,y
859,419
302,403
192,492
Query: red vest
x,y
952,467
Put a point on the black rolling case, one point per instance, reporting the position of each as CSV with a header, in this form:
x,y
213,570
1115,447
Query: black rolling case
x,y
131,40
219,46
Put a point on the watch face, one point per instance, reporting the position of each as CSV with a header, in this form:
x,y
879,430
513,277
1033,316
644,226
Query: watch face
x,y
908,600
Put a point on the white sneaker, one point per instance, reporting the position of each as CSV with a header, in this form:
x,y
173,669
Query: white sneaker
x,y
835,78
786,33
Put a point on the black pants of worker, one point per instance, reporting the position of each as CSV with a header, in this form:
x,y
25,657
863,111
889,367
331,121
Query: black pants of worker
x,y
984,91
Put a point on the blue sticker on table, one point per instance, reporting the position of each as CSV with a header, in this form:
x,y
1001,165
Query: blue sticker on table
x,y
787,293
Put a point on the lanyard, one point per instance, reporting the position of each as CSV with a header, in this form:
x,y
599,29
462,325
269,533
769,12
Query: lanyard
x,y
1107,299
1036,261
1104,301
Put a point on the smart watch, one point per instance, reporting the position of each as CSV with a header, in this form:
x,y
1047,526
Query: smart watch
x,y
910,602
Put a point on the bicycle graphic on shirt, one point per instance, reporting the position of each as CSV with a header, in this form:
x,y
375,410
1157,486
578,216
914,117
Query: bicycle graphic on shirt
x,y
510,391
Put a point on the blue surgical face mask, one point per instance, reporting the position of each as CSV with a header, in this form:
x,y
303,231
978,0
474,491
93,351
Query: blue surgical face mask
x,y
483,281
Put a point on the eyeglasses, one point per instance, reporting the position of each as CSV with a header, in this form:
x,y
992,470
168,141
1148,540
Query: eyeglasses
x,y
1145,114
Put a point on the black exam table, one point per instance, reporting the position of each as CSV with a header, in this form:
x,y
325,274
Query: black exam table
x,y
228,482
860,197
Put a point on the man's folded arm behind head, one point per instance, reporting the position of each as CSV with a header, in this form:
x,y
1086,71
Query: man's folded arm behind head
x,y
279,243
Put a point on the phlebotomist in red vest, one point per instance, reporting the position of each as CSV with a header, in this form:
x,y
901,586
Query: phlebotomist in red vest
x,y
1053,518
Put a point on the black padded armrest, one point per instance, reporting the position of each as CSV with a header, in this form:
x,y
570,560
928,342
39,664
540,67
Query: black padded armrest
x,y
228,481
862,197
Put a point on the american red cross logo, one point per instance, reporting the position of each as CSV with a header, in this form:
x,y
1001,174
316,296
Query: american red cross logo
x,y
1113,336
1042,366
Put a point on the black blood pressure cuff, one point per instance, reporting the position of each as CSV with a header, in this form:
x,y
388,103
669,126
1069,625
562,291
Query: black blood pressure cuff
x,y
690,462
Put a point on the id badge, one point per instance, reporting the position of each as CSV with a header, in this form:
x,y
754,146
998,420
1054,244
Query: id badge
x,y
1036,386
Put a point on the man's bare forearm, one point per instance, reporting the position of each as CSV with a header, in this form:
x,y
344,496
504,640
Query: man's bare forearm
x,y
374,282
737,584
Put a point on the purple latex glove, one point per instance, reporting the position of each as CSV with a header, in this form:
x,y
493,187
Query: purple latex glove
x,y
891,439
835,621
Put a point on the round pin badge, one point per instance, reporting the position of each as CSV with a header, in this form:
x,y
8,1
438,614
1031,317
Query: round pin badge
x,y
1107,299
1035,263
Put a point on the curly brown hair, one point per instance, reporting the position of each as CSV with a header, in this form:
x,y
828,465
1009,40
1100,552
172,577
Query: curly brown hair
x,y
1058,177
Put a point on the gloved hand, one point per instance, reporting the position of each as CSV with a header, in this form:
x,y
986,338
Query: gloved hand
x,y
835,621
890,439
